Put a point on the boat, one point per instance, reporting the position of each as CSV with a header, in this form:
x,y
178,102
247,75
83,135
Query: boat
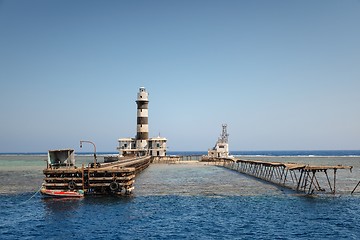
x,y
62,193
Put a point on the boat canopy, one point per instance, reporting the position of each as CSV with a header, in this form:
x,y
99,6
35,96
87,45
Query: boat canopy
x,y
62,157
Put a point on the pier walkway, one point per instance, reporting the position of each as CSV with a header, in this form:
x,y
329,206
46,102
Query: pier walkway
x,y
304,178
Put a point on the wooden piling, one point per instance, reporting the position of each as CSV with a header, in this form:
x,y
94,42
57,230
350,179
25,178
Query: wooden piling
x,y
302,177
108,178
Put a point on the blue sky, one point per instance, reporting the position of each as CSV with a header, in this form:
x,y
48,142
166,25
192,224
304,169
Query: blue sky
x,y
284,75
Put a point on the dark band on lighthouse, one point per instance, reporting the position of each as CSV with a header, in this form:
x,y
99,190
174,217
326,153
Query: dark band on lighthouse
x,y
142,131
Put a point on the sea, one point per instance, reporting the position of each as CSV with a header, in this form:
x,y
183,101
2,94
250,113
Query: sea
x,y
188,200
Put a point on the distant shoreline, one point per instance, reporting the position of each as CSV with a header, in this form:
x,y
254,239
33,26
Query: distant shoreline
x,y
261,153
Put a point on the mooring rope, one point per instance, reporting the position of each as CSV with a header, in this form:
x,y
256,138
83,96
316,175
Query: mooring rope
x,y
32,196
355,187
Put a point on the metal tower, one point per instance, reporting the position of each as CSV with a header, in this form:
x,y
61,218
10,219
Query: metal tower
x,y
224,137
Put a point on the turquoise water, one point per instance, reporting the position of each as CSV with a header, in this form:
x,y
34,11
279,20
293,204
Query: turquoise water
x,y
23,173
179,201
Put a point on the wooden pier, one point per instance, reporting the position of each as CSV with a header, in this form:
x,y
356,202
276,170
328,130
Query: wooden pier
x,y
308,179
118,177
115,178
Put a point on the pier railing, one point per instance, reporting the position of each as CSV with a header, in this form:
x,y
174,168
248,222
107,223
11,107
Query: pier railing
x,y
176,158
165,159
191,158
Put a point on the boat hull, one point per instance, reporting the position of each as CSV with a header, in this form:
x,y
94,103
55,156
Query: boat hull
x,y
62,193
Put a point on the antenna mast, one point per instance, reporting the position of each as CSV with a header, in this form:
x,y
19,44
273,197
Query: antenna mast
x,y
224,137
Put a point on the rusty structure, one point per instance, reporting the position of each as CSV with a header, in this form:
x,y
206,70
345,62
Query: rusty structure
x,y
308,179
116,178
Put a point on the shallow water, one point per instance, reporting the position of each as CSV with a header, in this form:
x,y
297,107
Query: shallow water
x,y
199,179
178,201
23,173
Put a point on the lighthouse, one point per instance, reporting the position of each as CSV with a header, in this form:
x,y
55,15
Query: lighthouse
x,y
142,129
142,145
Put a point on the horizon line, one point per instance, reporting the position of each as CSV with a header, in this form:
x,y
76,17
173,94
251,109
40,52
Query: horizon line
x,y
292,150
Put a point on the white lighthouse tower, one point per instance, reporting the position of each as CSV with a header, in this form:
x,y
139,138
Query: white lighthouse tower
x,y
142,130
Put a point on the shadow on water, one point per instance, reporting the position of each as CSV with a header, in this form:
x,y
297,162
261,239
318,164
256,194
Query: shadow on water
x,y
55,206
107,200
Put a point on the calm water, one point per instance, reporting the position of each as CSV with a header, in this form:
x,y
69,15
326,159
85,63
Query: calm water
x,y
179,201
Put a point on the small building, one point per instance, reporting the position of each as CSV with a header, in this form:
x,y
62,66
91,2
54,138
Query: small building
x,y
157,146
127,146
221,148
